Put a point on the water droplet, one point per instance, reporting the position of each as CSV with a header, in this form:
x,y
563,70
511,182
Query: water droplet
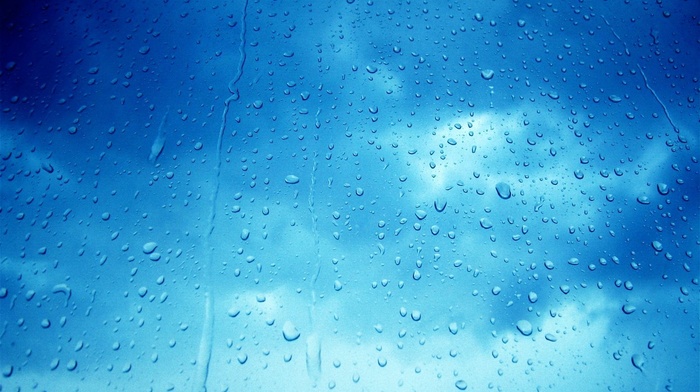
x,y
440,204
149,247
415,315
291,179
290,332
487,74
643,200
503,190
47,167
142,291
638,361
453,328
71,365
461,385
485,223
532,297
662,188
524,327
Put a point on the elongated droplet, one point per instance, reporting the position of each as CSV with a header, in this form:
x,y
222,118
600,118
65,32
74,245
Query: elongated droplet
x,y
291,179
313,357
159,142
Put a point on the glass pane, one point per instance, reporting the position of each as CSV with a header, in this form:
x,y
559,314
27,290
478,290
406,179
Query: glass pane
x,y
349,195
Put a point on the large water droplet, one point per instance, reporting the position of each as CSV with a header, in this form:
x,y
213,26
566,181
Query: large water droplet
x,y
291,179
503,190
638,361
524,327
290,332
149,247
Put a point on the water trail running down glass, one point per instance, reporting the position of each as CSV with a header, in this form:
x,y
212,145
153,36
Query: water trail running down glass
x,y
644,76
159,142
627,51
205,343
668,115
313,342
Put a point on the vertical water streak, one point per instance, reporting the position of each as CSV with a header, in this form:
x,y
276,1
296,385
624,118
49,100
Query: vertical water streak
x,y
206,340
644,76
668,115
159,142
313,342
314,226
627,51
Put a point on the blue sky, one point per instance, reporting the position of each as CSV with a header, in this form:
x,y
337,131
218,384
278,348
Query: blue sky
x,y
354,196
